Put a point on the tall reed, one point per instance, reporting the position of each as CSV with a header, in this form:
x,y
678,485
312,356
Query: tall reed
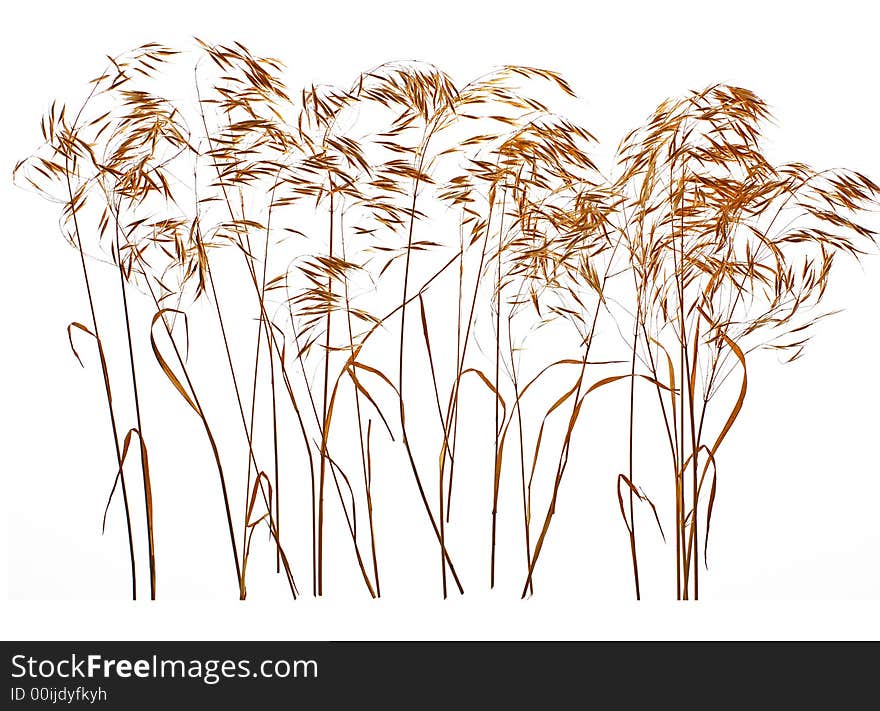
x,y
729,253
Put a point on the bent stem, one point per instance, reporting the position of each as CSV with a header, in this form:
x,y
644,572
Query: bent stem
x,y
197,407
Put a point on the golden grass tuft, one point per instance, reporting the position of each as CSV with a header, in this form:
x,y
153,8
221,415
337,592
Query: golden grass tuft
x,y
338,213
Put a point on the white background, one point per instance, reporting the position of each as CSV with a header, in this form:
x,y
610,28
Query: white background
x,y
795,533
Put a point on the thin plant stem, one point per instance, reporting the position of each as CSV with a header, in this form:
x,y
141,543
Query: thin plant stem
x,y
148,496
106,376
